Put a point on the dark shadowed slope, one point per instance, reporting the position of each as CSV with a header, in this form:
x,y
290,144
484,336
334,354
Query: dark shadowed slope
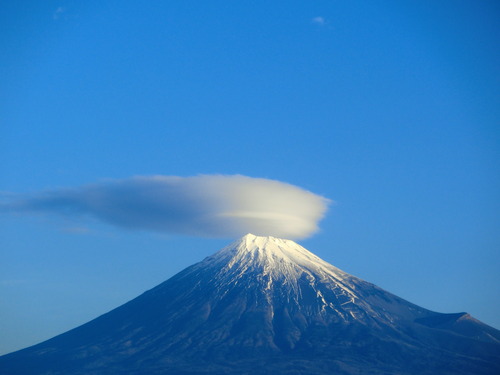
x,y
264,306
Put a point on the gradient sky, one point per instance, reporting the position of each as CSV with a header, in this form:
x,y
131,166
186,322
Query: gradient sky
x,y
391,109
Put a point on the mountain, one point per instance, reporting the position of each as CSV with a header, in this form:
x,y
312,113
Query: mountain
x,y
265,305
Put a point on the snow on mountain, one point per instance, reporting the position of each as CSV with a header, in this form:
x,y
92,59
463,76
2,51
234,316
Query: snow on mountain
x,y
279,264
266,305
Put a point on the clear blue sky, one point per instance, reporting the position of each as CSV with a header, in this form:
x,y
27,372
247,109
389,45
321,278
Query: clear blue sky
x,y
389,108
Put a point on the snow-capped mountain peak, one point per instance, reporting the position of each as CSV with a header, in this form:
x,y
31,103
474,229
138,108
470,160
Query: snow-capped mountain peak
x,y
266,305
274,256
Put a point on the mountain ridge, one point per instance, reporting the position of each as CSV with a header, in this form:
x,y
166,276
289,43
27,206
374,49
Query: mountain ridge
x,y
265,304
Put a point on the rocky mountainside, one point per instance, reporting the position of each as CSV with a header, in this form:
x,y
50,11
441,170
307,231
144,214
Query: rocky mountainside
x,y
264,305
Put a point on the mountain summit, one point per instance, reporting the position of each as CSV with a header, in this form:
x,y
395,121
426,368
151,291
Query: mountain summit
x,y
264,305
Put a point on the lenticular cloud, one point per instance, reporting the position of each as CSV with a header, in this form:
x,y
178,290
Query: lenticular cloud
x,y
206,205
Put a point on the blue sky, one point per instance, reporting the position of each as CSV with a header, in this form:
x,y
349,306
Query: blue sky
x,y
390,109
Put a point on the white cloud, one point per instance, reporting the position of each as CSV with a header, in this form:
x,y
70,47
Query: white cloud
x,y
319,20
206,205
58,13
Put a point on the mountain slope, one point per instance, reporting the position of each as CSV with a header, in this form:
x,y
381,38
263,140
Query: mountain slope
x,y
266,305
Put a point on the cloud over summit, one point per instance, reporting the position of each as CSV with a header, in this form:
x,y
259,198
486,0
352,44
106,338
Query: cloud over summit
x,y
205,205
